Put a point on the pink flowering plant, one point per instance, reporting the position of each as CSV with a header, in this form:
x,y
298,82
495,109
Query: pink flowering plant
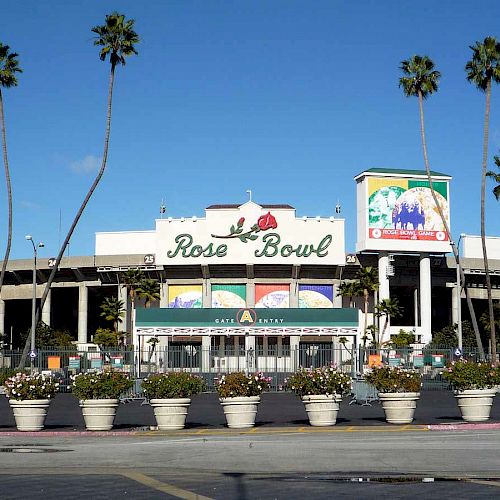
x,y
29,387
326,380
239,384
464,375
387,379
107,384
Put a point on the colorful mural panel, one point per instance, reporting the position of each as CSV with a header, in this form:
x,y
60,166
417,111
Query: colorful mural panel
x,y
272,296
315,296
404,209
185,296
227,296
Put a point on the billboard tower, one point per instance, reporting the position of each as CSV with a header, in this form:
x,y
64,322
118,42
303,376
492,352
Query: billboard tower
x,y
396,214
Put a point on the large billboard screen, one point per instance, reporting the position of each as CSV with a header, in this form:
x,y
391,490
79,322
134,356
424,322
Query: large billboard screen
x,y
404,209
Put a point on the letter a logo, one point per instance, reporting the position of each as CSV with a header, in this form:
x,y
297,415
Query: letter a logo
x,y
246,317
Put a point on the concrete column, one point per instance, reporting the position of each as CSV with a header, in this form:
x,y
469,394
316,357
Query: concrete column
x,y
46,309
337,299
250,293
383,262
415,306
294,351
454,305
2,320
206,343
163,295
207,294
294,293
123,296
83,295
425,298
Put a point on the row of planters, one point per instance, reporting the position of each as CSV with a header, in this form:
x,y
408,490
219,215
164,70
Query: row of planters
x,y
321,390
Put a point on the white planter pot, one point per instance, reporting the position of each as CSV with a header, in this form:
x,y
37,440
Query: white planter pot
x,y
475,404
240,412
170,414
99,414
30,414
399,407
322,410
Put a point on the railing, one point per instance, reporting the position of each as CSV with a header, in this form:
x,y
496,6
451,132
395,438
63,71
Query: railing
x,y
277,362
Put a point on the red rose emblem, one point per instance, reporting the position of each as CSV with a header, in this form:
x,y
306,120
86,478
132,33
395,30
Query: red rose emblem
x,y
266,222
241,221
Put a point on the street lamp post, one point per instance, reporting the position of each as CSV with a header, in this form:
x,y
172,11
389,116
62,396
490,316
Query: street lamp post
x,y
459,296
33,298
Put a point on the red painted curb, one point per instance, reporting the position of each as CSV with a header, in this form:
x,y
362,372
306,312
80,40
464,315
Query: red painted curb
x,y
67,433
464,427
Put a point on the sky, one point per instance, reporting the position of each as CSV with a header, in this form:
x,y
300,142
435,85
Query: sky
x,y
289,98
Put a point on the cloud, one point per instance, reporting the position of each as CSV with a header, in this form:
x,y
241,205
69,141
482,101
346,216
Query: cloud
x,y
29,204
89,164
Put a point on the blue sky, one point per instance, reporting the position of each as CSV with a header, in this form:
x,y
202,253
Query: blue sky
x,y
288,98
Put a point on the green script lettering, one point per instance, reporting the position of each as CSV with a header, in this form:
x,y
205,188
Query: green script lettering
x,y
270,249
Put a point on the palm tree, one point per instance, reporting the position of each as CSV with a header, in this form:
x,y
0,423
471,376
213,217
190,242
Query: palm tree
x,y
388,308
116,39
149,290
131,280
482,70
495,177
9,66
368,282
420,79
112,310
350,289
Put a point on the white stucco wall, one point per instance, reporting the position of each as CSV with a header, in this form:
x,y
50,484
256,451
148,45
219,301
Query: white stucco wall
x,y
471,247
125,242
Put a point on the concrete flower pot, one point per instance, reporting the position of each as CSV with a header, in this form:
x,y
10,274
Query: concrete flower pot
x,y
170,414
322,410
475,404
99,414
240,412
399,407
30,413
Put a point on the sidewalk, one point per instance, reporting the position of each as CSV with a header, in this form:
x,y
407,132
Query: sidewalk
x,y
277,410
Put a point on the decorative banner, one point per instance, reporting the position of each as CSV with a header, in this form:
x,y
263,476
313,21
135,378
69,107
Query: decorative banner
x,y
226,296
404,209
315,296
272,296
185,296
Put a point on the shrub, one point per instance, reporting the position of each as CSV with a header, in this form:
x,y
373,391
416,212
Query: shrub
x,y
394,379
23,386
238,384
326,380
104,337
172,385
100,385
464,375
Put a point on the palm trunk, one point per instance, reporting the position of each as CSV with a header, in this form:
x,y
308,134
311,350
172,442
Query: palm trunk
x,y
9,195
454,248
483,230
80,211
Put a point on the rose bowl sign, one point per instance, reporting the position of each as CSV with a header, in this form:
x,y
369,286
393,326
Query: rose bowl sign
x,y
250,234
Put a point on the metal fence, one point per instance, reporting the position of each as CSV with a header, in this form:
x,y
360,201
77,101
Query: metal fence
x,y
277,362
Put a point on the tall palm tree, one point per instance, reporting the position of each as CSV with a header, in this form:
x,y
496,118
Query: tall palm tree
x,y
482,70
131,280
9,66
420,79
115,38
495,177
368,282
112,310
350,289
149,290
388,308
